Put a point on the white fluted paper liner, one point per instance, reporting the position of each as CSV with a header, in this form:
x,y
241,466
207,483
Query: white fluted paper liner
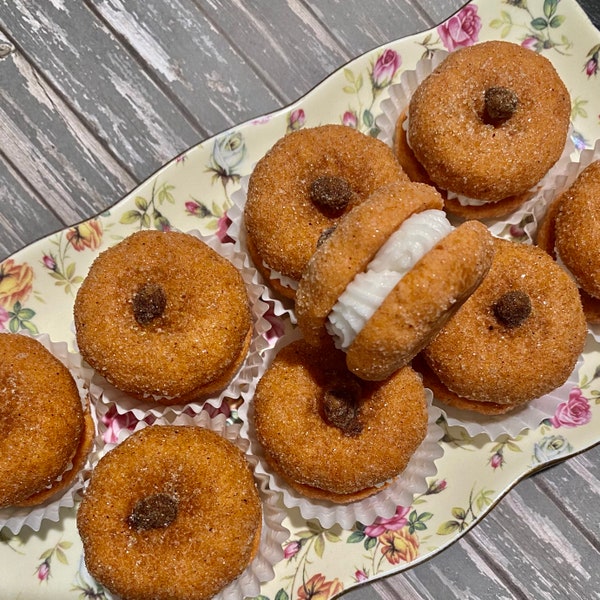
x,y
242,384
400,492
16,517
529,416
273,533
563,182
520,224
237,231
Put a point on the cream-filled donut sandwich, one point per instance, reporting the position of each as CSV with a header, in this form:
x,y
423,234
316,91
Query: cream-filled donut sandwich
x,y
389,276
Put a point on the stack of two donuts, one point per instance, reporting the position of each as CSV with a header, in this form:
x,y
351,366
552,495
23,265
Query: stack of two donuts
x,y
485,127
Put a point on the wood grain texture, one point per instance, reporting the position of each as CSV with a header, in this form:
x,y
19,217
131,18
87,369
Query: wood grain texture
x,y
97,94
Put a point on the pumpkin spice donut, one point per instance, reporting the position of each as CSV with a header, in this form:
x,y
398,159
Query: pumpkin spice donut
x,y
46,433
389,276
327,440
486,126
570,232
301,187
172,512
163,317
516,338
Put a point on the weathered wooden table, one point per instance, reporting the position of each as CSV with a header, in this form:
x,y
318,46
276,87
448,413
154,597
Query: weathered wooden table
x,y
98,94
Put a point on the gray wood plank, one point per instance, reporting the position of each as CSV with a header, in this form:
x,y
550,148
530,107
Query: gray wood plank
x,y
87,65
72,173
23,216
194,62
284,40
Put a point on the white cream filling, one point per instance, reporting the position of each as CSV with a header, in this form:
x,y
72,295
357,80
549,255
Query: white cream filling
x,y
398,255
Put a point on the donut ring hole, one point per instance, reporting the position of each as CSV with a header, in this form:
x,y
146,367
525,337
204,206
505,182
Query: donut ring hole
x,y
341,406
330,194
499,105
512,309
148,303
153,512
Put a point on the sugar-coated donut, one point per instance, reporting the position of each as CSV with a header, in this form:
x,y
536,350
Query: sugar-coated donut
x,y
163,317
331,435
488,124
301,187
170,513
45,434
516,338
395,322
570,231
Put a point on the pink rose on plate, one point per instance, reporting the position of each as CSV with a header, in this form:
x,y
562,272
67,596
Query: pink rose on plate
x,y
574,412
385,68
462,29
381,525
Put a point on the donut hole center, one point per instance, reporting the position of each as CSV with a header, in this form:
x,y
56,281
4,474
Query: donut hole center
x,y
499,105
330,193
341,406
512,309
153,512
148,303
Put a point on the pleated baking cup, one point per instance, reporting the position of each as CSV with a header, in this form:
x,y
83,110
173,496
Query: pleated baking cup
x,y
564,181
237,232
15,518
273,533
528,416
521,223
266,323
399,492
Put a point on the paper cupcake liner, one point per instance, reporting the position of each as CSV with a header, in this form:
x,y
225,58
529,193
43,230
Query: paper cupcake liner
x,y
519,224
273,533
16,517
565,180
237,232
241,386
529,416
383,504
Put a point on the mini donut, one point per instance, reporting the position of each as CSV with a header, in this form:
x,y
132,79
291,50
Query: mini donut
x,y
570,231
516,338
389,276
45,434
163,317
324,431
487,125
301,187
170,513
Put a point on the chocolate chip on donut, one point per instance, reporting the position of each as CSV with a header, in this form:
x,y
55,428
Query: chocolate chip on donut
x,y
153,512
330,193
512,308
499,105
341,406
149,302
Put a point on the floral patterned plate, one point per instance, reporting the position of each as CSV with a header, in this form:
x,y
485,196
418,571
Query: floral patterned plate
x,y
37,286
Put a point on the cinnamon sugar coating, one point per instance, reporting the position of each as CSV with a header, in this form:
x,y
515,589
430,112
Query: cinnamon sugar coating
x,y
211,540
461,150
193,347
42,422
482,360
282,222
577,229
318,458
